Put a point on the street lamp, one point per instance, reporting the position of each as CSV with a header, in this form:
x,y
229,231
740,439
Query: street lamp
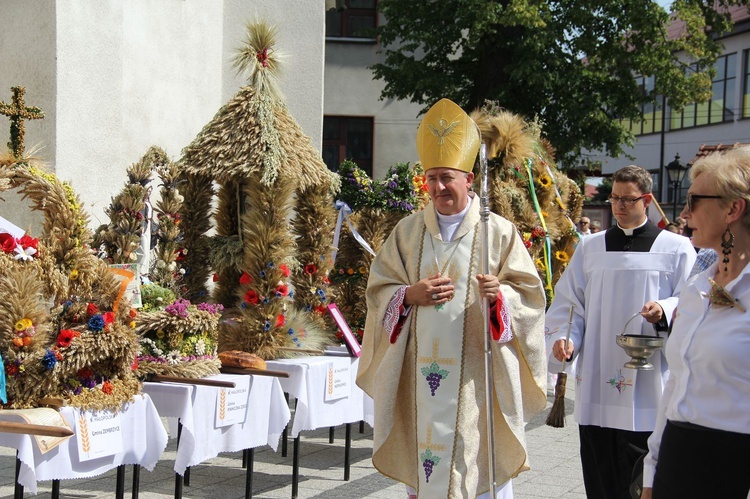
x,y
676,171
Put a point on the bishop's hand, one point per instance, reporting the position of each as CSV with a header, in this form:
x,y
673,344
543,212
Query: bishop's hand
x,y
429,291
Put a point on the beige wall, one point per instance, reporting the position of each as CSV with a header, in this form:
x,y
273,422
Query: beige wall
x,y
116,77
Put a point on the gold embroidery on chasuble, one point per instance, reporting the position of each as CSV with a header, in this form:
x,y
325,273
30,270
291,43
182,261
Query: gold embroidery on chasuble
x,y
439,346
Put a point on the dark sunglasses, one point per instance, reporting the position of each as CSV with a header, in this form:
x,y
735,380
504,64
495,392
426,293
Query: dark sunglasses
x,y
690,199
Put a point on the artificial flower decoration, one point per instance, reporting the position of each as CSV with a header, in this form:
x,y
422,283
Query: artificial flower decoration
x,y
246,278
73,275
280,320
65,338
92,309
285,270
251,296
310,269
282,290
545,181
7,242
23,324
49,360
96,323
107,387
109,317
562,256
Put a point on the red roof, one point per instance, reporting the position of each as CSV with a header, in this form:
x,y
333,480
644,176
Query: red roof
x,y
705,150
740,14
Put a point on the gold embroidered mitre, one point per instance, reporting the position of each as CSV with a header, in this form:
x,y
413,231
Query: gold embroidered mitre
x,y
447,138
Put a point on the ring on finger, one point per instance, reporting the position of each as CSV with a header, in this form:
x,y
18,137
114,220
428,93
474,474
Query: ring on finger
x,y
434,296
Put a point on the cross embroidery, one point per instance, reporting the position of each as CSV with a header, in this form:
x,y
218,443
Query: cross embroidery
x,y
18,112
429,460
435,351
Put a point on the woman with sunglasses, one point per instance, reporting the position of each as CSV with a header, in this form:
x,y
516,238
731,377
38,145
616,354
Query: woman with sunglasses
x,y
701,445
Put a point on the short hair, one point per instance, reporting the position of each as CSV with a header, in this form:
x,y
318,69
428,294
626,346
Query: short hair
x,y
595,224
730,176
672,227
636,174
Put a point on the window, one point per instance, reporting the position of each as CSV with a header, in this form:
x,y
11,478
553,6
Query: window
x,y
356,20
347,138
650,111
746,93
720,107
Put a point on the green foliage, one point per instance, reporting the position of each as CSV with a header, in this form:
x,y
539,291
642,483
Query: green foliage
x,y
571,63
396,192
356,185
603,191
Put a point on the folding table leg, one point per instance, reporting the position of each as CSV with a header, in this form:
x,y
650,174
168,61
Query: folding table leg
x,y
330,434
18,490
285,433
295,468
55,489
120,487
244,459
347,448
249,474
136,480
361,426
187,477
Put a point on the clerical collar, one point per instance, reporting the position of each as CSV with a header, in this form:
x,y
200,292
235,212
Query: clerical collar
x,y
450,223
634,230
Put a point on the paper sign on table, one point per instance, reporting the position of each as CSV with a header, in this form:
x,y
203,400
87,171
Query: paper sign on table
x,y
231,406
99,434
338,382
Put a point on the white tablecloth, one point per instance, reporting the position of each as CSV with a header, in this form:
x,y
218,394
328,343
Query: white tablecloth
x,y
307,383
143,438
195,407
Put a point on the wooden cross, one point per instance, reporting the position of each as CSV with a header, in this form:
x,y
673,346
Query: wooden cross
x,y
18,112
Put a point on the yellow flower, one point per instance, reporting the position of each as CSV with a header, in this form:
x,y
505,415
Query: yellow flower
x,y
562,256
362,270
526,236
539,264
350,271
74,274
132,324
545,181
24,324
545,214
160,333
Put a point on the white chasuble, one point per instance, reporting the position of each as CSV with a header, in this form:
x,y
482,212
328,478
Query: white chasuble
x,y
439,335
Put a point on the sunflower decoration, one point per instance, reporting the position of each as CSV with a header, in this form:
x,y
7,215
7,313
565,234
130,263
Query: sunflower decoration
x,y
528,189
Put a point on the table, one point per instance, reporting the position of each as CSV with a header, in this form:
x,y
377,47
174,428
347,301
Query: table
x,y
143,436
307,383
192,409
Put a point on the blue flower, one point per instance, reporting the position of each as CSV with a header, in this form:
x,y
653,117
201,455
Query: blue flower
x,y
291,331
267,326
96,323
262,274
49,360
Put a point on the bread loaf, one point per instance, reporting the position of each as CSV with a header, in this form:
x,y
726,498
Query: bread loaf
x,y
238,358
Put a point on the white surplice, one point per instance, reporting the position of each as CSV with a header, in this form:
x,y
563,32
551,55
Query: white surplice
x,y
606,288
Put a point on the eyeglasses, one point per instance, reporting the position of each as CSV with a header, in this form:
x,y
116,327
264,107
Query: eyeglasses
x,y
690,200
584,222
625,201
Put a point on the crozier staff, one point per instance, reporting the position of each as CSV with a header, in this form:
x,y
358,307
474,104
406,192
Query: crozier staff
x,y
701,444
422,358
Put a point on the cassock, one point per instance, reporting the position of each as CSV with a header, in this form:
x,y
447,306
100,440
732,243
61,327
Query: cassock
x,y
608,280
428,384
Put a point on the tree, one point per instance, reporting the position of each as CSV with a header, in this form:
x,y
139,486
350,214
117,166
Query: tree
x,y
571,63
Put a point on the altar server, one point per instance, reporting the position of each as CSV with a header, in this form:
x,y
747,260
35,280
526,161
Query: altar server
x,y
609,279
422,358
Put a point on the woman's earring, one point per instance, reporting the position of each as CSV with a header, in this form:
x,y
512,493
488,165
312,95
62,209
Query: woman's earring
x,y
727,243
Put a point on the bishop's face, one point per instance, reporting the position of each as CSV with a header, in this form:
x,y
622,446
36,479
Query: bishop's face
x,y
448,189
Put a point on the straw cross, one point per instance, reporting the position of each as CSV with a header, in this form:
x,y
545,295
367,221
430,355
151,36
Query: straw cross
x,y
429,444
18,112
435,351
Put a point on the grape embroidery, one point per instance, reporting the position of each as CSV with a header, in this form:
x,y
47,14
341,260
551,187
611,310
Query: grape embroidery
x,y
428,461
434,374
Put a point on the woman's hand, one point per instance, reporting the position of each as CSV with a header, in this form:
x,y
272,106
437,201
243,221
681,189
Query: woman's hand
x,y
489,286
429,291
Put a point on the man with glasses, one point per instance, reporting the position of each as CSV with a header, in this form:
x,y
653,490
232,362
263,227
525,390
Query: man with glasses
x,y
584,226
631,269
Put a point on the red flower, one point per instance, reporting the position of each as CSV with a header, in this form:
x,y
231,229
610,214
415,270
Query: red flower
x,y
537,232
251,297
7,242
327,280
58,355
280,320
246,279
11,368
85,373
65,338
133,313
527,243
134,365
339,335
282,289
27,241
284,270
109,317
107,387
215,277
310,269
320,309
92,309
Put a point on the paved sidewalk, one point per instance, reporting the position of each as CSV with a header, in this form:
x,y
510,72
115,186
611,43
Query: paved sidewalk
x,y
556,470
